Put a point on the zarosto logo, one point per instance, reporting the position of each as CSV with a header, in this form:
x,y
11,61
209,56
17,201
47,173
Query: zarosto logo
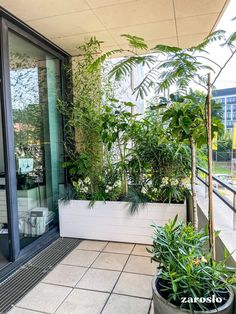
x,y
212,299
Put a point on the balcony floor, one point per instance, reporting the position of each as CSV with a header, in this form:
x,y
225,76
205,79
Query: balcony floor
x,y
96,277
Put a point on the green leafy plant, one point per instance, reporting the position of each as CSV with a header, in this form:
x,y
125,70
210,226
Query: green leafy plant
x,y
83,144
186,120
159,165
118,125
174,67
185,266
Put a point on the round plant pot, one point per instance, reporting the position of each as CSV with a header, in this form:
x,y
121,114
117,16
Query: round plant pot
x,y
161,306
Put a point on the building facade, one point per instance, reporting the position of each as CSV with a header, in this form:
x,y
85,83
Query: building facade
x,y
227,97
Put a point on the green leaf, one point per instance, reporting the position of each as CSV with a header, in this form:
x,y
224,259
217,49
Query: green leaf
x,y
135,42
166,49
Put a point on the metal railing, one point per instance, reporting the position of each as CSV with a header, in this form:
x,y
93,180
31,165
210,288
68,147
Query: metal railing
x,y
226,186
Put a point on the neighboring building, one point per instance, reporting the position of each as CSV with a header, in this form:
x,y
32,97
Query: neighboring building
x,y
227,97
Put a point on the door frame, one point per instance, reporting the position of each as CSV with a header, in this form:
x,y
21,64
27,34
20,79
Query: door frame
x,y
9,22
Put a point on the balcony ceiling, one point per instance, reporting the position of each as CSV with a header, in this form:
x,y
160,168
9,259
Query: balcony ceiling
x,y
68,23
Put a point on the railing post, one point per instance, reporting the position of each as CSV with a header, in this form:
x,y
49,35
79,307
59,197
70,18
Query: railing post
x,y
234,213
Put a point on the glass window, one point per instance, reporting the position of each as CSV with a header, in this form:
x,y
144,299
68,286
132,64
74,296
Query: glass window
x,y
231,100
35,88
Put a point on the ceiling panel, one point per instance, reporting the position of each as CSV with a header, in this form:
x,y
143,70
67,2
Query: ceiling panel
x,y
35,9
148,31
70,42
196,24
184,8
67,25
69,22
191,40
135,13
103,3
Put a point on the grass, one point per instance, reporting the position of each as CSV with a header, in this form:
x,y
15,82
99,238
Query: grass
x,y
221,167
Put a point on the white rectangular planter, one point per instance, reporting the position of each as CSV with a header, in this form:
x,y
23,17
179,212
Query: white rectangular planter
x,y
112,221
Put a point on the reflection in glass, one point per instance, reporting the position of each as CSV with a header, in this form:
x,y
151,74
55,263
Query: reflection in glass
x,y
35,88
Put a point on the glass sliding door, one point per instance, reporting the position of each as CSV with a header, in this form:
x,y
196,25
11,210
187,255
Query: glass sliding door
x,y
35,88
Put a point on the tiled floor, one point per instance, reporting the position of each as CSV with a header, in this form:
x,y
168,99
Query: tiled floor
x,y
97,277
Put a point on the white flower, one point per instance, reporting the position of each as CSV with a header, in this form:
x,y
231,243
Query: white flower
x,y
174,182
117,184
87,180
165,181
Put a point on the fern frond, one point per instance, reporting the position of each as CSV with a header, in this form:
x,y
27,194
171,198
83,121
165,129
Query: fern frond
x,y
123,68
213,37
230,42
164,49
135,41
136,199
94,66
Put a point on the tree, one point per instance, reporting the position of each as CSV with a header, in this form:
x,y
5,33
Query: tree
x,y
186,120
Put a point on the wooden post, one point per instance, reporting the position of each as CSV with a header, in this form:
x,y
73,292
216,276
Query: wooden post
x,y
193,182
132,87
210,181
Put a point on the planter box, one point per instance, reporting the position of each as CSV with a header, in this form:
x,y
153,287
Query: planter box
x,y
111,221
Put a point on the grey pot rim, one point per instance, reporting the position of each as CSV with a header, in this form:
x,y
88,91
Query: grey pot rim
x,y
174,307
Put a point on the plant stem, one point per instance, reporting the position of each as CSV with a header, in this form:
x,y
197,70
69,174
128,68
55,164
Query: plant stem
x,y
193,181
224,66
210,183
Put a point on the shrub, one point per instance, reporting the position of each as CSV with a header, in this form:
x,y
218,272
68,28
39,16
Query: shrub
x,y
185,267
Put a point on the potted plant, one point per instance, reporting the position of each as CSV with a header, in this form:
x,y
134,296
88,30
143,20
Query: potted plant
x,y
188,280
117,161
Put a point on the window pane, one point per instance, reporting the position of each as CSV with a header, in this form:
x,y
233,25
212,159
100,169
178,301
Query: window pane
x,y
35,88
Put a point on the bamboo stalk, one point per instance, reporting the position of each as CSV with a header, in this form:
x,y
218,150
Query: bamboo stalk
x,y
210,181
193,182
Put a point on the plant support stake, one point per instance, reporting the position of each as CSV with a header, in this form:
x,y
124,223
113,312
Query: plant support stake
x,y
210,183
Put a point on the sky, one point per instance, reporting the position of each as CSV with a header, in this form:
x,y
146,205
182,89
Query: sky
x,y
228,77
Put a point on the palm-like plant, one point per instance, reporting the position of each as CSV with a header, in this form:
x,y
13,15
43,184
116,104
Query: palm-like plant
x,y
175,67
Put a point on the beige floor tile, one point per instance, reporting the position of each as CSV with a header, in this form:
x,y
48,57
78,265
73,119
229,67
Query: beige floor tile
x,y
110,261
65,275
134,284
45,298
121,304
140,265
99,279
83,302
141,249
92,245
80,258
117,247
17,310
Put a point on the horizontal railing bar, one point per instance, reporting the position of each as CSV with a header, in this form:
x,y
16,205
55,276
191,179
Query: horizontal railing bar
x,y
224,200
216,192
229,187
